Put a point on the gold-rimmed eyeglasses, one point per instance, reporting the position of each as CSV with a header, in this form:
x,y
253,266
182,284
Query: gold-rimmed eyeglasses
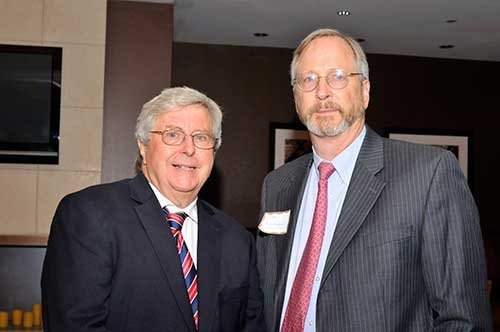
x,y
336,78
176,136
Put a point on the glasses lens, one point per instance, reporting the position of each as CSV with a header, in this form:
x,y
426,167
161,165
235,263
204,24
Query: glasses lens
x,y
337,79
307,81
203,141
173,137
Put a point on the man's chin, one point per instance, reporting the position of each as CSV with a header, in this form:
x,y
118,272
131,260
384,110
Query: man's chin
x,y
328,130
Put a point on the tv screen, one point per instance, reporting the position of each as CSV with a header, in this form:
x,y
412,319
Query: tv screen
x,y
30,94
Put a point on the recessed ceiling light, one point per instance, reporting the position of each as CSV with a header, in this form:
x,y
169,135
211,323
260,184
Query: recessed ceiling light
x,y
343,13
260,34
446,46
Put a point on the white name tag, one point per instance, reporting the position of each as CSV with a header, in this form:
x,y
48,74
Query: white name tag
x,y
275,222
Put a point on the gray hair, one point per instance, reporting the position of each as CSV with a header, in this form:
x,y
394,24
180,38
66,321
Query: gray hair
x,y
171,99
359,54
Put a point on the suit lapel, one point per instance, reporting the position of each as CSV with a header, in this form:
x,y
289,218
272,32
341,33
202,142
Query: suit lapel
x,y
361,195
209,264
290,197
153,221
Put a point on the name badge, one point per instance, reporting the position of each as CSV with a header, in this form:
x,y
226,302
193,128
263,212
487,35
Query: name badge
x,y
275,223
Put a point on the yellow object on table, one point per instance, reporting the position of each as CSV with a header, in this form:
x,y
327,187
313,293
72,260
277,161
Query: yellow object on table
x,y
17,316
4,319
27,319
37,314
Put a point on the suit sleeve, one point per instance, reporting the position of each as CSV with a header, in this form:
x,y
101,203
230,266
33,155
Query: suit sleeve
x,y
77,270
255,306
261,244
452,253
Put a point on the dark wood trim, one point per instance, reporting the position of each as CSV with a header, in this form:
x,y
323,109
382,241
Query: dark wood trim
x,y
24,240
143,32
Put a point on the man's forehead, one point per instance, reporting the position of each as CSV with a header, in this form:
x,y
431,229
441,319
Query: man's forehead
x,y
330,44
182,116
328,49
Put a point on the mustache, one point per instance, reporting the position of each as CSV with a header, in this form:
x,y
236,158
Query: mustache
x,y
327,104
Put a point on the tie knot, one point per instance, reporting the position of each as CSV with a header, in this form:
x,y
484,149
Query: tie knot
x,y
325,170
176,220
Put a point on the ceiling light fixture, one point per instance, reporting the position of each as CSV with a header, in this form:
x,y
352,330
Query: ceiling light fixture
x,y
343,13
260,34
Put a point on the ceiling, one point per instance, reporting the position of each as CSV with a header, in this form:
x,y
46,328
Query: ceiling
x,y
404,27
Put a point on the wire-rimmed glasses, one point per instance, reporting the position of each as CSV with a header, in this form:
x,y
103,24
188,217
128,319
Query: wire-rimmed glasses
x,y
336,78
175,136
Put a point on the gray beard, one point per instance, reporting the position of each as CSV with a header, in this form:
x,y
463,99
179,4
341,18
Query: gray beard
x,y
325,130
328,132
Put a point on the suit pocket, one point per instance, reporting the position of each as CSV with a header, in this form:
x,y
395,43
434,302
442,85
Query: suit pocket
x,y
389,235
232,308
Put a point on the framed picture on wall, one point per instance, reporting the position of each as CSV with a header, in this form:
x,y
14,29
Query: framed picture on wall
x,y
458,142
287,142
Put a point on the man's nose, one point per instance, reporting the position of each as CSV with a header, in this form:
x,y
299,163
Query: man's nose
x,y
188,146
323,90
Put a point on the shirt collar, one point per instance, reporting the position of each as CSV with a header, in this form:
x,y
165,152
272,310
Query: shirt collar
x,y
344,162
190,210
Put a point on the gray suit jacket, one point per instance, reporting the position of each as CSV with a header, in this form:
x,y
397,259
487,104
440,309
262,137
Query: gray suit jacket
x,y
407,253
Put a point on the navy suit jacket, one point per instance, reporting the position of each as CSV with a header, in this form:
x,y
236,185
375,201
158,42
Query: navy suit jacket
x,y
112,265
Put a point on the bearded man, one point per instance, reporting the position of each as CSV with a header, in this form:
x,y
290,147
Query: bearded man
x,y
365,233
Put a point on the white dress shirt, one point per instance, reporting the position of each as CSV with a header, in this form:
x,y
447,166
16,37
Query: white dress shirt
x,y
189,228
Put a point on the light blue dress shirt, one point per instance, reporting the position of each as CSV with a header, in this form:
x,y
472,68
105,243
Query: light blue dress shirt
x,y
337,189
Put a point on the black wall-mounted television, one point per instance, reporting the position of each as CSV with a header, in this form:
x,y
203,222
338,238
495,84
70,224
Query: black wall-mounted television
x,y
30,102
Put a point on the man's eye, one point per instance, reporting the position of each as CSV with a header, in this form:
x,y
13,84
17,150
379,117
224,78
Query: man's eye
x,y
338,76
201,138
309,78
171,134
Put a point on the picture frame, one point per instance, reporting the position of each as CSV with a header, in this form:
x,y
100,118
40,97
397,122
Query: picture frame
x,y
287,141
458,142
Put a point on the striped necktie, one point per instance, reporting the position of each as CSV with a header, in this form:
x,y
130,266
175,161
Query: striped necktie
x,y
176,220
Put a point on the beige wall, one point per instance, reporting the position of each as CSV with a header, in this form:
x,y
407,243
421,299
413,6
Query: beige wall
x,y
29,193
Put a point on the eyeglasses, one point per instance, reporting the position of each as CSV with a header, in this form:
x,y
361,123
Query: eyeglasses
x,y
336,79
176,137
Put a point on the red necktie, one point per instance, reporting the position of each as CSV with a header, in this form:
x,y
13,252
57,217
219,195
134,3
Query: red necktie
x,y
300,296
176,220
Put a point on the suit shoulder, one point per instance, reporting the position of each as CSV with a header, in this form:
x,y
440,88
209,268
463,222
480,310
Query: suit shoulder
x,y
89,209
229,223
413,149
286,171
417,155
100,194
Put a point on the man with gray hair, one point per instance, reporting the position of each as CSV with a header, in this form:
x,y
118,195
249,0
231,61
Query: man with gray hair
x,y
365,233
146,254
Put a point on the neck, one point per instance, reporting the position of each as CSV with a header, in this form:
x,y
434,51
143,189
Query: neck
x,y
178,198
181,201
328,147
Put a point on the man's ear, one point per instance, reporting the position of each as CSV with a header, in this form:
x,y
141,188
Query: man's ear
x,y
295,100
366,93
142,150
